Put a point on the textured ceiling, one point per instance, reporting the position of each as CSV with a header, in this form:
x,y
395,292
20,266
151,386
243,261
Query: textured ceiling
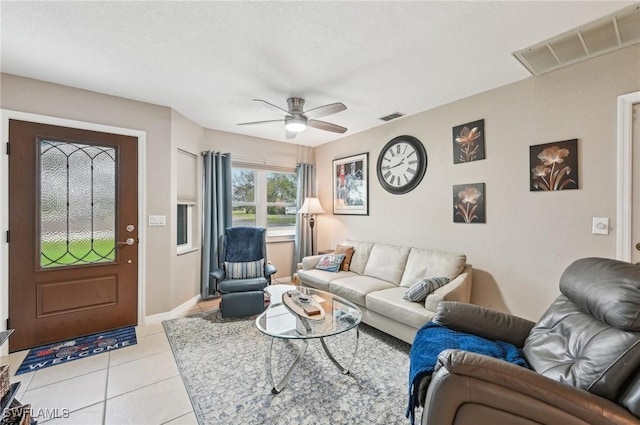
x,y
207,60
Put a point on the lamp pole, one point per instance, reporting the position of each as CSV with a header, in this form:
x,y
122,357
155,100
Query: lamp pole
x,y
312,222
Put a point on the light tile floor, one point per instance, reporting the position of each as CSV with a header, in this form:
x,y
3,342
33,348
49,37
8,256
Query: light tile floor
x,y
134,385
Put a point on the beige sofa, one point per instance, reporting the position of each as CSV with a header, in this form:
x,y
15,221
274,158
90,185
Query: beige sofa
x,y
380,274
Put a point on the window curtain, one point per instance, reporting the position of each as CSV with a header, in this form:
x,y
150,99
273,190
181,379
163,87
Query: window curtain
x,y
306,188
216,214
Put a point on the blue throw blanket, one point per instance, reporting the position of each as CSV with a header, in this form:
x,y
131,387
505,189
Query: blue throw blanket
x,y
433,338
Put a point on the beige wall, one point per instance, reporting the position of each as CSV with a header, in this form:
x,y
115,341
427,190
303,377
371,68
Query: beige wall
x,y
529,237
37,97
253,150
185,272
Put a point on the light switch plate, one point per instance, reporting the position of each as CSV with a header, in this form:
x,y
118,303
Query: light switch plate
x,y
157,220
600,226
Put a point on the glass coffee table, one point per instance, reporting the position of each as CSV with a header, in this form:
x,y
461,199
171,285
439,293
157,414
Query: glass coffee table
x,y
299,313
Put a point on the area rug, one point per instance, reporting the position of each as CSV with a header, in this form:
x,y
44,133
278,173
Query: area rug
x,y
223,365
78,348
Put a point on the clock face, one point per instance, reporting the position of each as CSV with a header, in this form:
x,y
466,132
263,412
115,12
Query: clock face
x,y
402,164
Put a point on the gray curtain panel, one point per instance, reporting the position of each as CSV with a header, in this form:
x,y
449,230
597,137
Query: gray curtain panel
x,y
306,188
216,213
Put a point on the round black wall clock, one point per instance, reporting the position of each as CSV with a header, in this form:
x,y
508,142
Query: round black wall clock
x,y
402,164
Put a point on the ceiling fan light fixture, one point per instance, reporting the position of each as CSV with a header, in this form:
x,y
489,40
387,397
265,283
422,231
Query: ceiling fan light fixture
x,y
296,124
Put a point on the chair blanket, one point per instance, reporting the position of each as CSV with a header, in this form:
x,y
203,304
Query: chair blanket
x,y
433,338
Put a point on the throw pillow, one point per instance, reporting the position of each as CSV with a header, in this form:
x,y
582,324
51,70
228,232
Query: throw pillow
x,y
348,253
244,270
330,263
420,290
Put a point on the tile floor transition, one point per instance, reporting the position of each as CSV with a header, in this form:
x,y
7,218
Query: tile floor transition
x,y
134,385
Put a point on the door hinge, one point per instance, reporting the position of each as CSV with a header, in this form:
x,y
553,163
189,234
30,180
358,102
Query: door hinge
x,y
8,148
7,236
8,327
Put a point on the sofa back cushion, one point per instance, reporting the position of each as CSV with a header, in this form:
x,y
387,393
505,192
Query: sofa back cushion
x,y
426,263
387,262
582,342
361,251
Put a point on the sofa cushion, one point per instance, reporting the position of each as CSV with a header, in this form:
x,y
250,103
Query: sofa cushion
x,y
575,348
426,263
389,303
244,269
361,252
320,279
419,290
348,253
356,288
330,263
387,262
596,284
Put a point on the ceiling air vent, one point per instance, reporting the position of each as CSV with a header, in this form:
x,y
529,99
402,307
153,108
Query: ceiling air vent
x,y
392,116
612,32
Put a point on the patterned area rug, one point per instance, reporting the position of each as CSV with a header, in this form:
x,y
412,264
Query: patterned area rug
x,y
223,366
78,348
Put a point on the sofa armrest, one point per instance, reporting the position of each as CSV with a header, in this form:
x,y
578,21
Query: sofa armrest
x,y
270,269
310,262
490,388
459,289
481,321
217,274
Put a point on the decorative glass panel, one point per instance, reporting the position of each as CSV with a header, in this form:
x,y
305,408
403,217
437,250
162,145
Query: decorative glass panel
x,y
77,204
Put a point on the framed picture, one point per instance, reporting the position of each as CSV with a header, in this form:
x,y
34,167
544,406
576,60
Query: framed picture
x,y
553,166
468,203
468,142
351,185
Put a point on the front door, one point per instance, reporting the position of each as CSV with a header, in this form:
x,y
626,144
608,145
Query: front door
x,y
72,232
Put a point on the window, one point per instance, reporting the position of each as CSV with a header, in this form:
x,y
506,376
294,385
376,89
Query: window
x,y
187,237
265,198
185,227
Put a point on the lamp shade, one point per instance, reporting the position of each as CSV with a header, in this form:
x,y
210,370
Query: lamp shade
x,y
311,206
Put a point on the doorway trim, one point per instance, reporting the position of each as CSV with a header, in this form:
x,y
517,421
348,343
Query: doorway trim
x,y
625,174
5,116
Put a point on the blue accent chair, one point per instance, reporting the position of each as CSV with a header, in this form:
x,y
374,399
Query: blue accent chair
x,y
242,296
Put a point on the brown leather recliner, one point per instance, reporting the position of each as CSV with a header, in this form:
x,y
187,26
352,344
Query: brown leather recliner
x,y
584,353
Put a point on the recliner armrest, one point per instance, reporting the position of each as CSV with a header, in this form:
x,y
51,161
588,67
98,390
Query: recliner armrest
x,y
217,274
270,269
481,321
463,377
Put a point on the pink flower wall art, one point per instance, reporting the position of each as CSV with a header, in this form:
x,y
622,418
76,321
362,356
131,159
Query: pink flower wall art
x,y
554,166
468,203
468,142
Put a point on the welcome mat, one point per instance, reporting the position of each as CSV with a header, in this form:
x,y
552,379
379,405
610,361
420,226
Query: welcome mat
x,y
78,348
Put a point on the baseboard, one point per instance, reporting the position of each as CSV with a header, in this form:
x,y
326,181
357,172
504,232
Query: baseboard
x,y
176,312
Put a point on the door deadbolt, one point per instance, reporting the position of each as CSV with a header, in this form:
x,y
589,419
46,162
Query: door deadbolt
x,y
129,241
130,228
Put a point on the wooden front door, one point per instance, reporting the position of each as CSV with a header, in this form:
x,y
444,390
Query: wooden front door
x,y
73,232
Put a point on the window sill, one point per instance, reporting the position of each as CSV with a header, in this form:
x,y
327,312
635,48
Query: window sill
x,y
186,250
278,239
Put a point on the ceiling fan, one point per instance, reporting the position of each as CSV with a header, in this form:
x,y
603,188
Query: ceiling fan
x,y
297,120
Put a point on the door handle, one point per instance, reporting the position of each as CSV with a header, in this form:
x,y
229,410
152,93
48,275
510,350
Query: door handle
x,y
638,246
129,241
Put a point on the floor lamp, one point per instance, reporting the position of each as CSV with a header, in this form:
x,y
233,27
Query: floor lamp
x,y
310,209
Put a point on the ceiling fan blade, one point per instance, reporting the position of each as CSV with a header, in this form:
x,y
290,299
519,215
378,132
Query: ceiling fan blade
x,y
272,106
327,126
323,111
259,122
290,134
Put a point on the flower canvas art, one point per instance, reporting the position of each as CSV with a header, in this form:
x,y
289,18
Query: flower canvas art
x,y
468,142
554,166
468,203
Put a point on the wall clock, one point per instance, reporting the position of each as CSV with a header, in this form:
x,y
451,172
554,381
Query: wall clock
x,y
402,164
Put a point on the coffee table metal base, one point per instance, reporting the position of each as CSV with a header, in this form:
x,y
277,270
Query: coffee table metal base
x,y
277,388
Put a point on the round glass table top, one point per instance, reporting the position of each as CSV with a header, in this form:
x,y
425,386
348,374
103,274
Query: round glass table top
x,y
279,320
